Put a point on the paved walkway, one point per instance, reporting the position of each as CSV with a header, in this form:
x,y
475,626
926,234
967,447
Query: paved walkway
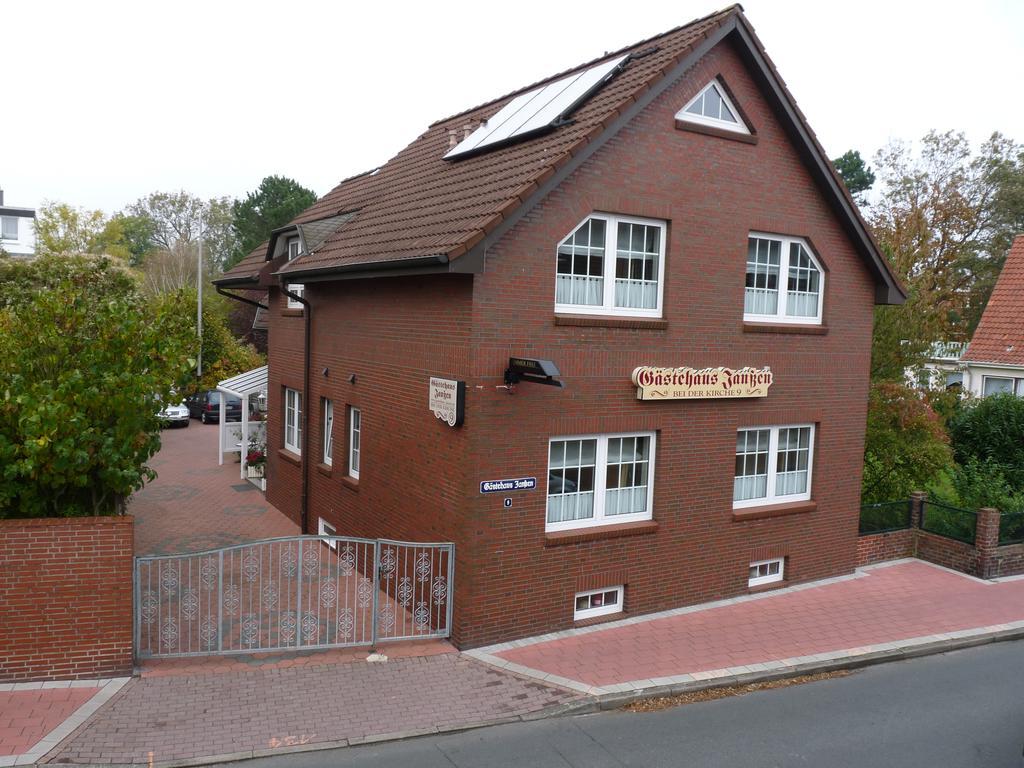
x,y
899,604
239,712
35,717
195,504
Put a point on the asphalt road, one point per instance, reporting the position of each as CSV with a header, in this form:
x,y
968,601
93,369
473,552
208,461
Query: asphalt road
x,y
964,708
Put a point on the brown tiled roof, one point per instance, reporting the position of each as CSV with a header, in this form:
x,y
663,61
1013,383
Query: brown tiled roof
x,y
999,337
248,269
420,205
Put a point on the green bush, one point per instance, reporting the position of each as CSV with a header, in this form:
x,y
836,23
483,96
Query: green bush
x,y
984,484
991,431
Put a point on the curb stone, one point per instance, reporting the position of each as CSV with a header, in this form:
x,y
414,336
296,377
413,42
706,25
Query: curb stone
x,y
608,701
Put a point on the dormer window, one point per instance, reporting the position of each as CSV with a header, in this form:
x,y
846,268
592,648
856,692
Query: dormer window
x,y
713,107
293,253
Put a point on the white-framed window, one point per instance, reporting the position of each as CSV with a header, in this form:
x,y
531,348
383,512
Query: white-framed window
x,y
293,421
328,432
773,465
599,480
298,288
355,434
995,385
9,227
587,281
323,528
769,259
766,572
597,602
712,106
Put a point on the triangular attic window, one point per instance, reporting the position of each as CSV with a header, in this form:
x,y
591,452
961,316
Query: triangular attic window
x,y
712,107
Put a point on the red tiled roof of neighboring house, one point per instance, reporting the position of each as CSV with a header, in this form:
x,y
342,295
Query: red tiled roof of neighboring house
x,y
420,206
999,337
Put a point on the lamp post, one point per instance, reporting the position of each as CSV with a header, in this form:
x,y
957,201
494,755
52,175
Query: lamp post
x,y
199,307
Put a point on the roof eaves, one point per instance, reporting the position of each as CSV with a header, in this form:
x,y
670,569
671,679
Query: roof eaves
x,y
421,264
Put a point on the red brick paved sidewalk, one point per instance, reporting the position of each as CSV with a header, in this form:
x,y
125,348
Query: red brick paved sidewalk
x,y
841,618
194,504
173,717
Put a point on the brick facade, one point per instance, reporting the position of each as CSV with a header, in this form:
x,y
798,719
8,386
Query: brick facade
x,y
419,478
65,598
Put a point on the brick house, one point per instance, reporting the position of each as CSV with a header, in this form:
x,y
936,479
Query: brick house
x,y
490,237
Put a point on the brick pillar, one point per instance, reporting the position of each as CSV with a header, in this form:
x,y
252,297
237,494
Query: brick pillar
x,y
986,541
917,499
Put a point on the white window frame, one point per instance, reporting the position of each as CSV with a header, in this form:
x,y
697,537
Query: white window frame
x,y
299,288
603,610
740,126
293,409
4,220
773,456
773,578
355,441
328,431
780,315
323,528
600,483
1015,385
607,307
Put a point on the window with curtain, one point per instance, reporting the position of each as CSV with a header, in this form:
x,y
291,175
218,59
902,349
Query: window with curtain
x,y
328,432
599,479
630,286
784,282
773,465
293,421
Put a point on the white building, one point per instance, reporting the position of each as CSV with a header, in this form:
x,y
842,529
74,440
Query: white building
x,y
17,230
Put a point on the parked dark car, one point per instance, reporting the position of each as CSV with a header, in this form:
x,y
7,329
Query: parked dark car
x,y
205,406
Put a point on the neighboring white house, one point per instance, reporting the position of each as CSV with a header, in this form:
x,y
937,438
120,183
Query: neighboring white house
x,y
994,360
17,230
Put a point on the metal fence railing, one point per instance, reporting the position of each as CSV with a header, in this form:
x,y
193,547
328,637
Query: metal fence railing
x,y
949,521
1011,528
885,516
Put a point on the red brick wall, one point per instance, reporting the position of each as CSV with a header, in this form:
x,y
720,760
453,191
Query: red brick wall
x,y
420,478
878,547
948,552
65,598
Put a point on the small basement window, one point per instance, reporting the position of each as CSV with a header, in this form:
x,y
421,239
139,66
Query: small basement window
x,y
713,107
598,602
324,528
766,572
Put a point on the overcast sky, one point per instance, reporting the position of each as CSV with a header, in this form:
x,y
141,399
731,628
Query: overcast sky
x,y
105,102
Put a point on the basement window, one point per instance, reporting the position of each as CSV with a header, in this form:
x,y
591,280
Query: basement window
x,y
766,572
598,602
324,528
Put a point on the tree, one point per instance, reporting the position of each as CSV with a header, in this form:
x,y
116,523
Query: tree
x,y
64,229
85,362
855,173
177,218
905,445
137,234
275,202
936,220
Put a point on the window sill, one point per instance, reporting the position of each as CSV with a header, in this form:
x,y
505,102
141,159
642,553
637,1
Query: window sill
x,y
721,133
350,482
807,330
774,510
324,469
608,617
768,587
605,321
597,532
291,312
291,458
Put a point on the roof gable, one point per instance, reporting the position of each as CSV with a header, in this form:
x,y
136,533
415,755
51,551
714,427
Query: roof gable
x,y
421,210
999,337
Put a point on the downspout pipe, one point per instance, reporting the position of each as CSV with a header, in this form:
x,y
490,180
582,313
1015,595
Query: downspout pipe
x,y
307,315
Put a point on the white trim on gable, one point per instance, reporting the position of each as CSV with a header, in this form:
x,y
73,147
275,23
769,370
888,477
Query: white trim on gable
x,y
709,106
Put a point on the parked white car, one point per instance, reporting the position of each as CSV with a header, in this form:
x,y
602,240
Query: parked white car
x,y
175,415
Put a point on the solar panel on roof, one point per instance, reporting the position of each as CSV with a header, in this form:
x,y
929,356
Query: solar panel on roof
x,y
537,110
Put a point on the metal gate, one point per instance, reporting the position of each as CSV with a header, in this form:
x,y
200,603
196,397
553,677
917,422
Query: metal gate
x,y
292,593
